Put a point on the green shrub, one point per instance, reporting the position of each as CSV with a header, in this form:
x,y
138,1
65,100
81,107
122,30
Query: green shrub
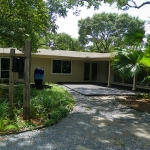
x,y
51,104
18,96
3,109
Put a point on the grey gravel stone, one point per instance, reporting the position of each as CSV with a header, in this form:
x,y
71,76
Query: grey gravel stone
x,y
96,123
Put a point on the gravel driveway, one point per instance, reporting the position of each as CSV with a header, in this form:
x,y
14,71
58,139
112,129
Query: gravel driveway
x,y
96,123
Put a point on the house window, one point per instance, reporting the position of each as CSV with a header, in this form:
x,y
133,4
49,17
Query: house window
x,y
61,66
5,67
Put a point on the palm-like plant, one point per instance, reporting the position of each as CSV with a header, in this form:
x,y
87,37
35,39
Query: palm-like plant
x,y
127,63
146,61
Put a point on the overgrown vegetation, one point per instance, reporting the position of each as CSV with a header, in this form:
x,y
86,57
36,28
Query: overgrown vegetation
x,y
47,107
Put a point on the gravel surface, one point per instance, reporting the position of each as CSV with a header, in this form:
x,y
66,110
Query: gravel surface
x,y
96,123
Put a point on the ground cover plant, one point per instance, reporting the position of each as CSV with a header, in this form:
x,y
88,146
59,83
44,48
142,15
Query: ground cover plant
x,y
47,107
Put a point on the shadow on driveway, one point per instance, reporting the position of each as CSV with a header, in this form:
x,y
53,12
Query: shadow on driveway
x,y
99,90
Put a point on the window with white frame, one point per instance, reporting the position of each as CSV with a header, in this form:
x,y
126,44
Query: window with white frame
x,y
4,67
61,66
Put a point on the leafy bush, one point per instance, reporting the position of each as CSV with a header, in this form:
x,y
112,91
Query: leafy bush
x,y
3,109
55,102
51,104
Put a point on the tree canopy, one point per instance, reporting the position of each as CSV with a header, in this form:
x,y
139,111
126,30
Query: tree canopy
x,y
62,41
106,31
30,19
122,4
21,20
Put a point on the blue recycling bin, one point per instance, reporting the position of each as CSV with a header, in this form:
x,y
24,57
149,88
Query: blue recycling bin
x,y
38,76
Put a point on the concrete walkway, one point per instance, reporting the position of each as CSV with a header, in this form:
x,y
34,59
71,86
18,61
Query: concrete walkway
x,y
97,90
96,123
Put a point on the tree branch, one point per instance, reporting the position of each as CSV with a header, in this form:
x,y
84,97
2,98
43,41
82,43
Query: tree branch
x,y
135,5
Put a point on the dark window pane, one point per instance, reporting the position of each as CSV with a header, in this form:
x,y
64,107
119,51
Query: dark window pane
x,y
4,74
4,63
18,64
66,66
87,71
94,71
56,66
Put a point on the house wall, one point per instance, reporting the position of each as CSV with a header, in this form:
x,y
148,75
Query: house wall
x,y
77,72
76,75
46,64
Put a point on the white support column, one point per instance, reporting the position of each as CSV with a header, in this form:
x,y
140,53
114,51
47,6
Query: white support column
x,y
109,75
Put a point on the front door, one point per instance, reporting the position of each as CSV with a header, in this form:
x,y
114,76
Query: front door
x,y
90,71
94,71
87,71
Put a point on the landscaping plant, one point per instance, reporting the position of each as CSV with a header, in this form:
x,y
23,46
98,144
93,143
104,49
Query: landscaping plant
x,y
47,107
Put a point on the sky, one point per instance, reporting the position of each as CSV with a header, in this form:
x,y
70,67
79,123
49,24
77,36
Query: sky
x,y
69,24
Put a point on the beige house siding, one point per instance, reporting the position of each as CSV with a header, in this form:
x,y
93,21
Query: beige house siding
x,y
46,64
75,76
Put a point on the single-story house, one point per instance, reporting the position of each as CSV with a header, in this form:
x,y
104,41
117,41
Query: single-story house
x,y
69,66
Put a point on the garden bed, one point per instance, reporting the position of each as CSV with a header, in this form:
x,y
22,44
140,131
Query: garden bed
x,y
47,107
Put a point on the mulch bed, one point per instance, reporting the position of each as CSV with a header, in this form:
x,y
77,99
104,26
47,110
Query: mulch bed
x,y
135,103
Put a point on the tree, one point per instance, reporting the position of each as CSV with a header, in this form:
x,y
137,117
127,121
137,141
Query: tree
x,y
65,4
21,20
105,31
63,41
122,4
126,4
127,63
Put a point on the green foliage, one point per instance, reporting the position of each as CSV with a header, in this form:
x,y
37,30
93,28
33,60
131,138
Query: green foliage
x,y
143,96
3,109
121,4
127,62
146,80
106,31
5,125
22,20
18,96
3,92
62,41
51,104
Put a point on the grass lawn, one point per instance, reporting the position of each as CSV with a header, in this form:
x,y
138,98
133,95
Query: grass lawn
x,y
47,107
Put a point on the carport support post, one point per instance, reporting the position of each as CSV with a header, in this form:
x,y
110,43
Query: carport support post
x,y
11,85
26,96
109,75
